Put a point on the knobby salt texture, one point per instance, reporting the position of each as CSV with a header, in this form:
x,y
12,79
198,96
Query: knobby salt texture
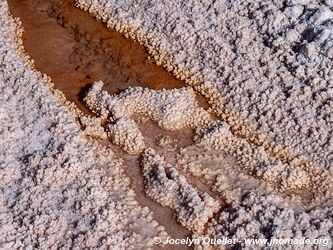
x,y
256,217
195,210
166,186
170,109
264,65
177,108
58,190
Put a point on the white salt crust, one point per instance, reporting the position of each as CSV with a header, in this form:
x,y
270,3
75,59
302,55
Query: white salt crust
x,y
170,109
265,66
58,193
124,132
255,161
221,173
165,185
256,217
176,109
58,190
92,126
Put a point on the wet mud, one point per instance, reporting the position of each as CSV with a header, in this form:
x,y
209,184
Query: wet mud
x,y
75,49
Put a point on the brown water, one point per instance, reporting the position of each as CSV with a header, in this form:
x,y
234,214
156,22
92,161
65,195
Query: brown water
x,y
74,49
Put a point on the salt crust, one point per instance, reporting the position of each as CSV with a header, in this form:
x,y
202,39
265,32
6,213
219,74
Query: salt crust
x,y
27,164
257,217
265,66
195,210
165,185
170,109
177,109
256,162
92,126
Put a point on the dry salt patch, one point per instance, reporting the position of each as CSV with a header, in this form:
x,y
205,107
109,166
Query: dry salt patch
x,y
170,109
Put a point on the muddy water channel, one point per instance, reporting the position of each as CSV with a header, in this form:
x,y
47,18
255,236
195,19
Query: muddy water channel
x,y
75,50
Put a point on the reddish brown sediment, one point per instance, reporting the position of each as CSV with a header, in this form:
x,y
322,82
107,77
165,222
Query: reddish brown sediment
x,y
75,49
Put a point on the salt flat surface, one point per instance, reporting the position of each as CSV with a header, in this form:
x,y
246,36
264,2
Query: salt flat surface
x,y
264,66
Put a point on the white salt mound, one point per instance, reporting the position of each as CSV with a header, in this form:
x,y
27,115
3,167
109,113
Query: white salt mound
x,y
166,186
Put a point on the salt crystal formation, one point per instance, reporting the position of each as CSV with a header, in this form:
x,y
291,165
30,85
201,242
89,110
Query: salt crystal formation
x,y
258,163
176,109
265,68
257,218
222,174
166,186
58,190
92,126
125,133
264,65
170,109
165,141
